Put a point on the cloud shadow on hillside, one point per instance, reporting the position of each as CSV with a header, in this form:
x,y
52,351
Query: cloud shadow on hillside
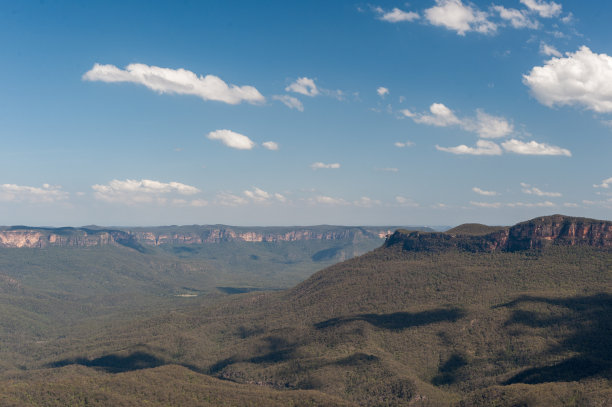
x,y
590,341
398,320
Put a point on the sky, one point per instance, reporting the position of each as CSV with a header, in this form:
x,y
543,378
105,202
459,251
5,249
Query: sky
x,y
432,112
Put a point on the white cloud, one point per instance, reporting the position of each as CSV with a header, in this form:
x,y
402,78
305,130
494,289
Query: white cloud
x,y
257,195
229,199
328,200
402,144
290,102
571,205
517,18
198,203
528,189
21,193
545,204
581,78
454,15
366,202
382,91
140,191
483,192
320,165
487,204
179,81
485,125
534,148
483,147
403,201
270,145
544,8
388,169
606,183
488,126
304,86
396,15
440,116
549,50
232,139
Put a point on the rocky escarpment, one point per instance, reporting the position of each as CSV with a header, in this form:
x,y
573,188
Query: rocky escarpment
x,y
30,237
138,238
533,234
218,234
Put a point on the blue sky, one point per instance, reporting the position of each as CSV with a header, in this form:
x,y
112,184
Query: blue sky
x,y
435,112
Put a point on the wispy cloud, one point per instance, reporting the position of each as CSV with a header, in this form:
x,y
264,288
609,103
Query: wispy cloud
x,y
483,192
606,183
396,15
319,165
403,144
531,190
290,102
549,50
382,91
483,147
21,193
517,18
178,81
534,148
546,9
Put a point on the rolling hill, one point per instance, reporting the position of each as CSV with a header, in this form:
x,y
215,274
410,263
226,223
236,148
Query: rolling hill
x,y
517,316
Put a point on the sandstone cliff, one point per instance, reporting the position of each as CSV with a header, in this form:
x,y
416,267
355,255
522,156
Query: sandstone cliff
x,y
533,234
138,238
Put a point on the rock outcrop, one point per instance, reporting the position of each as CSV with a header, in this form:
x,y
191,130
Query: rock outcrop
x,y
139,238
533,234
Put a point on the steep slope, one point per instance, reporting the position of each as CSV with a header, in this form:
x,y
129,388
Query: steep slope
x,y
406,325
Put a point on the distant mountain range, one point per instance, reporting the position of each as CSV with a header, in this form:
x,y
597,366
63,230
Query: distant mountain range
x,y
136,238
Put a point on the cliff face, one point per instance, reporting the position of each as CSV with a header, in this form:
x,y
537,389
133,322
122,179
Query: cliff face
x,y
17,237
44,237
533,234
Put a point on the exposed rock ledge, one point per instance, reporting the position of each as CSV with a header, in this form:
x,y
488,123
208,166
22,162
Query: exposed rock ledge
x,y
533,234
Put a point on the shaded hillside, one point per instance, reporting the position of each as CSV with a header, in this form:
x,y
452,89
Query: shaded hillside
x,y
396,326
476,229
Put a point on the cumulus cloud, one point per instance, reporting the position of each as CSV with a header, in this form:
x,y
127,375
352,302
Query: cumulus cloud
x,y
517,18
488,126
440,116
178,81
21,193
549,50
485,125
229,199
403,144
382,91
544,8
483,192
396,15
290,102
270,145
319,165
529,190
534,148
581,78
483,147
141,191
456,16
304,86
606,183
232,139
